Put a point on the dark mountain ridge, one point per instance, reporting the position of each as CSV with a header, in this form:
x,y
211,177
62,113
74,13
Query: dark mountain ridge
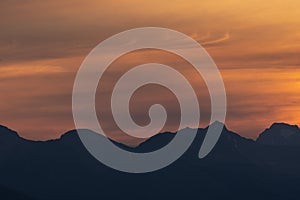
x,y
279,134
236,168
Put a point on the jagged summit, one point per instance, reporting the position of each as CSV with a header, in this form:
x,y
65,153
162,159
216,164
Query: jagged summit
x,y
218,123
280,134
282,125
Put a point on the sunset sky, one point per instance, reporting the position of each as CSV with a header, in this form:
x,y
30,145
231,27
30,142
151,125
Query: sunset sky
x,y
255,44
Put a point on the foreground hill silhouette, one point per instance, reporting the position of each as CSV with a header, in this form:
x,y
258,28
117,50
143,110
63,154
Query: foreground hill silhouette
x,y
237,168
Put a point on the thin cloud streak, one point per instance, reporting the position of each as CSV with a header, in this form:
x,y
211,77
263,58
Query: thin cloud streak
x,y
216,41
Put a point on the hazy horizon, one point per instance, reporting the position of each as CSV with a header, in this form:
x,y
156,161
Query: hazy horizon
x,y
255,44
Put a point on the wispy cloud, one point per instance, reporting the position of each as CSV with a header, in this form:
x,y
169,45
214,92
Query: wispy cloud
x,y
216,41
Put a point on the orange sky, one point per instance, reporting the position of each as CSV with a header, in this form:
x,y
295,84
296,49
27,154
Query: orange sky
x,y
255,44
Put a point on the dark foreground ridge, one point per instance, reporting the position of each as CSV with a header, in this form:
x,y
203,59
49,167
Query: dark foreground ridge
x,y
237,168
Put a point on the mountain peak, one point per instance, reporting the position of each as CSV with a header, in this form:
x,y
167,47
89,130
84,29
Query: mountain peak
x,y
70,133
277,125
8,132
218,124
280,134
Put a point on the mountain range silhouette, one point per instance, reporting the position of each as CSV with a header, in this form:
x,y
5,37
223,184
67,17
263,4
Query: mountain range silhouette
x,y
237,168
